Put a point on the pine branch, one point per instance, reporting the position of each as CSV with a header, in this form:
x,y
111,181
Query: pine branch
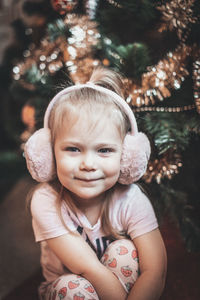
x,y
171,131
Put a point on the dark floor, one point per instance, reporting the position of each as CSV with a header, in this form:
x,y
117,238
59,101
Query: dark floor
x,y
183,279
19,254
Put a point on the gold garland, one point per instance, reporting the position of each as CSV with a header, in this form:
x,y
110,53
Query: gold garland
x,y
76,54
47,59
165,167
72,53
178,14
85,36
156,84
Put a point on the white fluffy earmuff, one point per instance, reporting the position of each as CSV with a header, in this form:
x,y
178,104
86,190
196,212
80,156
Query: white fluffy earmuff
x,y
136,147
39,156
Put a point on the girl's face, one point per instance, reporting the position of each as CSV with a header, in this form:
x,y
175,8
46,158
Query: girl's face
x,y
88,158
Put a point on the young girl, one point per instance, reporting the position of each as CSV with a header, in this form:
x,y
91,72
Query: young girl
x,y
98,232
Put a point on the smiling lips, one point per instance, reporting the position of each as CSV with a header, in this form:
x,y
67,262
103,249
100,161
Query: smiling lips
x,y
88,179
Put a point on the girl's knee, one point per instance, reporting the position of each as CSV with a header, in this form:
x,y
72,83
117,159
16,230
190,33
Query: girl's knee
x,y
122,249
71,287
122,259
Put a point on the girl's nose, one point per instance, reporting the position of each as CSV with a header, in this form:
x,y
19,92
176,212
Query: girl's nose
x,y
88,162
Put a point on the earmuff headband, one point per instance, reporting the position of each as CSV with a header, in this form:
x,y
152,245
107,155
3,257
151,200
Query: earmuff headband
x,y
116,98
135,153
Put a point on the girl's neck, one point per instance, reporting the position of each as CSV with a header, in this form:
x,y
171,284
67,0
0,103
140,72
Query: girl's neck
x,y
87,204
91,208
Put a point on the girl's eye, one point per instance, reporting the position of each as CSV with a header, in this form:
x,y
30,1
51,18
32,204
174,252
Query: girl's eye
x,y
72,149
105,150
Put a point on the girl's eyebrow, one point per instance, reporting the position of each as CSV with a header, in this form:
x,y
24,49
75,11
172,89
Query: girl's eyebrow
x,y
106,145
71,142
97,145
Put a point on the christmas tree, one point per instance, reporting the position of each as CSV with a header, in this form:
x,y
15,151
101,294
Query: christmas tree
x,y
155,46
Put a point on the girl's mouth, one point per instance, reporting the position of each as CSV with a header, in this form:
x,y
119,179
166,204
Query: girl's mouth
x,y
88,180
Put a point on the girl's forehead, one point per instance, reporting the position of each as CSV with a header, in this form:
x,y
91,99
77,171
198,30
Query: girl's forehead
x,y
89,131
90,117
91,122
92,125
91,114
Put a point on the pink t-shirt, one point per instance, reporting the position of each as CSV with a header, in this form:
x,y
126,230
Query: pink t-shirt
x,y
130,212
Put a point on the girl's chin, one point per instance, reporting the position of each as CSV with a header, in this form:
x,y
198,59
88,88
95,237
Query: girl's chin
x,y
86,198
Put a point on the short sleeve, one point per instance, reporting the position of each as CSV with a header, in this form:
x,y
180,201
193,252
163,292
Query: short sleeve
x,y
138,215
46,216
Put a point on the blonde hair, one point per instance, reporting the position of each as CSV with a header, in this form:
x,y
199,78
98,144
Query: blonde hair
x,y
87,101
96,105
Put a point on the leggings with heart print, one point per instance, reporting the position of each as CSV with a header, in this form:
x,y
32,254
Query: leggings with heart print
x,y
120,257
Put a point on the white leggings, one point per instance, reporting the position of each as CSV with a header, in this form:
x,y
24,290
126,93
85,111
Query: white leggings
x,y
120,257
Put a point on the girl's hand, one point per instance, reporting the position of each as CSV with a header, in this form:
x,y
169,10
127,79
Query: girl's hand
x,y
80,259
153,267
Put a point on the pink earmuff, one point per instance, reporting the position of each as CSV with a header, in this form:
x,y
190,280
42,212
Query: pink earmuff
x,y
136,148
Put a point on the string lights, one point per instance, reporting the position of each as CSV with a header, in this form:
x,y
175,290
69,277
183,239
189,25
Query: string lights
x,y
196,80
175,109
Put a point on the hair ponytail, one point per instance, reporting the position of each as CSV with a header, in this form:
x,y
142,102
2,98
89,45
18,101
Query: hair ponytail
x,y
108,79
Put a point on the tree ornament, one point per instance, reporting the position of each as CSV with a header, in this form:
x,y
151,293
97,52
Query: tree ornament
x,y
64,6
28,116
106,62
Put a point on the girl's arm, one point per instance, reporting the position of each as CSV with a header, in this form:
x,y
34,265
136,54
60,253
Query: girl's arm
x,y
153,267
80,259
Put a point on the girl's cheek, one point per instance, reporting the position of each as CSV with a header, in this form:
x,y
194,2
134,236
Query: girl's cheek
x,y
113,167
64,163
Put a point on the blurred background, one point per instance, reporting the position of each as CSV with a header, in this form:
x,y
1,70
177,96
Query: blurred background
x,y
155,45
